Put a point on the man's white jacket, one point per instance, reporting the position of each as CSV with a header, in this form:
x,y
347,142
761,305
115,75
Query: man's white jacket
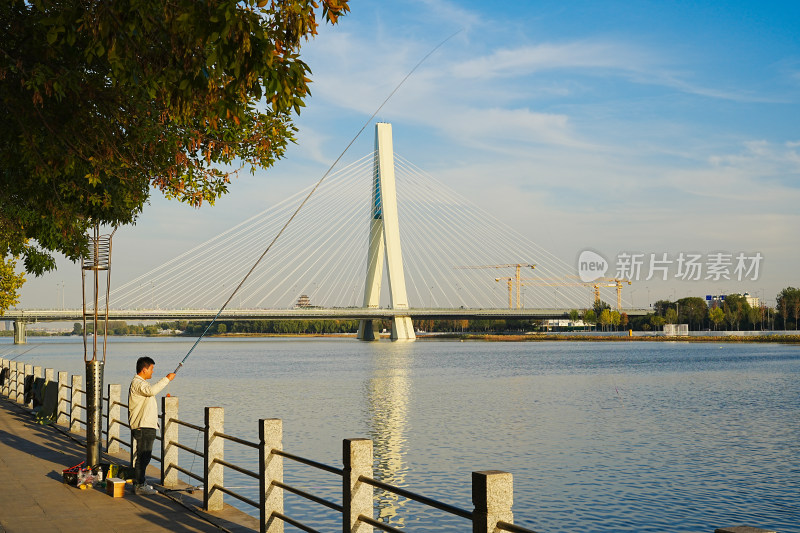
x,y
142,407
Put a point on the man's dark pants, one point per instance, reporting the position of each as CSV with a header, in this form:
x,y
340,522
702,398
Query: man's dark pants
x,y
144,438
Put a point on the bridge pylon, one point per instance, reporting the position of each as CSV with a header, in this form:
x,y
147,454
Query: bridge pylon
x,y
384,244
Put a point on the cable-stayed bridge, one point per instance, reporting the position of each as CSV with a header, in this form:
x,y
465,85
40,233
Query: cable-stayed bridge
x,y
378,239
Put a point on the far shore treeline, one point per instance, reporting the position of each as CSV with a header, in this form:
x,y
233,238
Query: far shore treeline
x,y
733,314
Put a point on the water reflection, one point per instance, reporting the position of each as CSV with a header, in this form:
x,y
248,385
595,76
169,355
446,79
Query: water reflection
x,y
388,392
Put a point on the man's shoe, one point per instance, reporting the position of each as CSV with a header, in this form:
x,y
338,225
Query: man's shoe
x,y
145,490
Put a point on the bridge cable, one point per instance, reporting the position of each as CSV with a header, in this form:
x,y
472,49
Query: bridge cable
x,y
357,135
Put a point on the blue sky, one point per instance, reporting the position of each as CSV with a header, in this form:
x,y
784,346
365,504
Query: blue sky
x,y
652,127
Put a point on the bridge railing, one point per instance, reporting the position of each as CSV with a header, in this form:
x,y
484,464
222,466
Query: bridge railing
x,y
492,490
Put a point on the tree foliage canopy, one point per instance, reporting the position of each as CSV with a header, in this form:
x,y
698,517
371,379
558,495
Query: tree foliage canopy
x,y
10,282
100,101
788,304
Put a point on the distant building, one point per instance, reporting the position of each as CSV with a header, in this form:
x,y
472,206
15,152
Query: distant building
x,y
718,300
675,330
562,323
303,301
752,301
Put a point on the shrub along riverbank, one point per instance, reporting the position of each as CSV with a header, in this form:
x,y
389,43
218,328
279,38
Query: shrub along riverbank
x,y
791,339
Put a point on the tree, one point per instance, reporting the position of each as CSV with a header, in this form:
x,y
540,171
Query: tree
x,y
10,282
102,101
615,319
606,318
573,316
694,309
222,328
599,306
755,316
716,316
589,317
657,321
671,316
623,320
789,305
735,308
661,306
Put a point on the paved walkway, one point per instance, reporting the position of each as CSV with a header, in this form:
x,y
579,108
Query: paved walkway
x,y
34,498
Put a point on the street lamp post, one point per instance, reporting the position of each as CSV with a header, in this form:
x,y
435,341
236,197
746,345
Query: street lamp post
x,y
97,261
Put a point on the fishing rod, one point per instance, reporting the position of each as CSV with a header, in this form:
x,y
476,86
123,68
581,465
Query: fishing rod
x,y
9,350
313,190
26,351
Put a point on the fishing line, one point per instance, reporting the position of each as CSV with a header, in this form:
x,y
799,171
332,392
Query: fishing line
x,y
366,123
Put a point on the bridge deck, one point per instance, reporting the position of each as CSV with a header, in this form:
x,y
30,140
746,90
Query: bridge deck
x,y
311,313
34,498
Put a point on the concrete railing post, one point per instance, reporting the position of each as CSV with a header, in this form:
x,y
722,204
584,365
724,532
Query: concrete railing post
x,y
4,387
28,371
356,496
270,436
17,371
492,495
48,374
20,382
74,403
11,389
112,422
36,372
62,417
214,450
9,373
169,437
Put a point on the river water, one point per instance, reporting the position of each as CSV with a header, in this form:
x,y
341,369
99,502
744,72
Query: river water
x,y
600,436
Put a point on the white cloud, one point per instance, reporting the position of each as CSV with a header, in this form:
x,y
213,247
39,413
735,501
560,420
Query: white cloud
x,y
511,62
452,12
512,132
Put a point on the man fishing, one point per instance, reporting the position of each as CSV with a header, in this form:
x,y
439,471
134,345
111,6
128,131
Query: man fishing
x,y
143,419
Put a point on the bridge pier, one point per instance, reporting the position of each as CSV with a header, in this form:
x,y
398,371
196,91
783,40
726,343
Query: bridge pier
x,y
368,331
403,329
19,332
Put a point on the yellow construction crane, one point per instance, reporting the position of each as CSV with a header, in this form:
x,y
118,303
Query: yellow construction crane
x,y
602,282
517,266
611,282
510,290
